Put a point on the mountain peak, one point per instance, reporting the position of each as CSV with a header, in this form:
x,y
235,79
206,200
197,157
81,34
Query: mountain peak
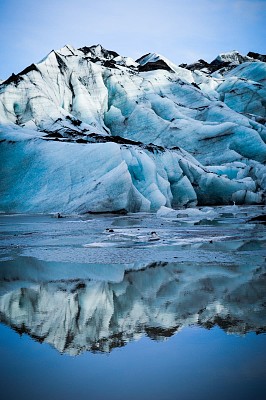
x,y
67,50
257,56
232,57
98,51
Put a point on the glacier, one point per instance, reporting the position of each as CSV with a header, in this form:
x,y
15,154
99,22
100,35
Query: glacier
x,y
88,130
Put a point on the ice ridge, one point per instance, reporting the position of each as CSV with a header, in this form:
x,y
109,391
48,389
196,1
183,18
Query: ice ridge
x,y
96,131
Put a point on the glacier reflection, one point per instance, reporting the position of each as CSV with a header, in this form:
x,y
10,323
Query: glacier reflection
x,y
158,299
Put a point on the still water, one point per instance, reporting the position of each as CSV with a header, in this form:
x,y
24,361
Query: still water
x,y
97,307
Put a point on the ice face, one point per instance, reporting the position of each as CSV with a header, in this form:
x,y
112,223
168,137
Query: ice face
x,y
74,177
183,136
244,89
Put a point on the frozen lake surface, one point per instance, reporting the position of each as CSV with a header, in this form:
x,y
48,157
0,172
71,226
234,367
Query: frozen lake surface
x,y
100,307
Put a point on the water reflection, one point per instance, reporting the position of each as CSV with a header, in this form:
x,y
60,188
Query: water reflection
x,y
76,314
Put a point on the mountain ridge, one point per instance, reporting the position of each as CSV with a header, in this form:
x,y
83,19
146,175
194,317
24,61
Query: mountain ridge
x,y
213,120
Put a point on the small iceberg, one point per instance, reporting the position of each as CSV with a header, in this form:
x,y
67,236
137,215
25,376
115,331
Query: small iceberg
x,y
166,212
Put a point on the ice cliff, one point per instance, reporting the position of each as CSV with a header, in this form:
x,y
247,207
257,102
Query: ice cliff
x,y
88,130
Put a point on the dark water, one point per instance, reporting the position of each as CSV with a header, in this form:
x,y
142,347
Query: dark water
x,y
194,364
92,308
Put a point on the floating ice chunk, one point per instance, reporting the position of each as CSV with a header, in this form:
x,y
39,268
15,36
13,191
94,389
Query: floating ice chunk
x,y
186,213
100,244
166,212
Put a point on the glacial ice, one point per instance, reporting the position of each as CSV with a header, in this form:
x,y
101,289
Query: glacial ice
x,y
88,130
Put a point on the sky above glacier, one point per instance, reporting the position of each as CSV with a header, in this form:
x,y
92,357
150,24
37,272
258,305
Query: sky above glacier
x,y
181,30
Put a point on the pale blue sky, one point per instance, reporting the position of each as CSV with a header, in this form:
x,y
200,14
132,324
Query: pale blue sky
x,y
182,30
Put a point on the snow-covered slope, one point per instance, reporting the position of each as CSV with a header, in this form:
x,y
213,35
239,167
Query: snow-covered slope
x,y
89,130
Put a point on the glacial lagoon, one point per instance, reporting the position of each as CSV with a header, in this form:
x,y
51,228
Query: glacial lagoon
x,y
98,307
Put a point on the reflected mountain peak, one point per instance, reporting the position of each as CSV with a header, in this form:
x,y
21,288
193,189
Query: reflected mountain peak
x,y
156,300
